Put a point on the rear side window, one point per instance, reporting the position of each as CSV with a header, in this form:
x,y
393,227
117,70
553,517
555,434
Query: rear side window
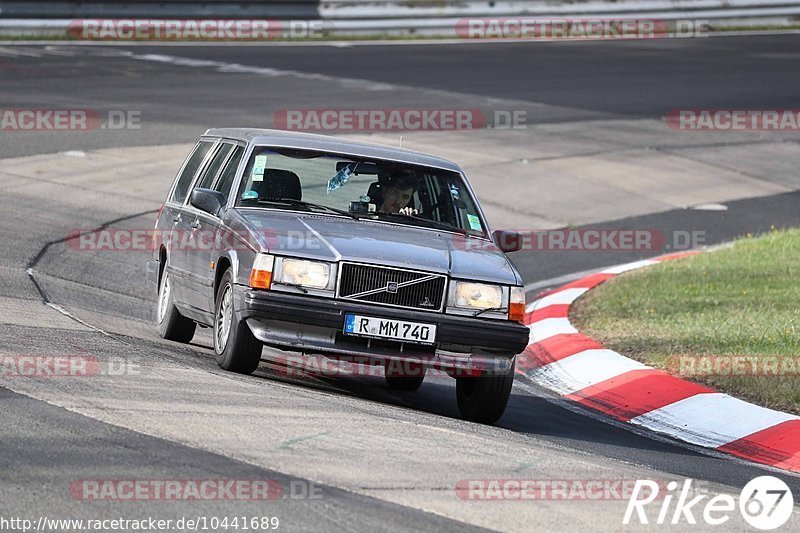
x,y
189,170
229,172
210,173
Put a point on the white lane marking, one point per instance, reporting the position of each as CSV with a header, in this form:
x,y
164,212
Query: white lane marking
x,y
347,82
58,51
540,391
583,369
367,42
619,269
76,319
710,207
614,269
32,275
558,280
710,419
549,327
563,297
237,68
16,52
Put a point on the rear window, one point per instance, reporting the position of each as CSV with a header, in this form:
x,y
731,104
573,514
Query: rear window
x,y
189,170
225,180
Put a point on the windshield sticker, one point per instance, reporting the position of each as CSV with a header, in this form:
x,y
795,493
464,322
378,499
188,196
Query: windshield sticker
x,y
339,179
454,192
259,167
250,195
474,222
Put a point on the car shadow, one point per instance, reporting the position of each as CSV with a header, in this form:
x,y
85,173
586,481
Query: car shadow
x,y
529,409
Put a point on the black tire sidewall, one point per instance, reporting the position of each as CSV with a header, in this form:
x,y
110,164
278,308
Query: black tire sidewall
x,y
163,325
483,399
224,357
398,379
242,352
173,326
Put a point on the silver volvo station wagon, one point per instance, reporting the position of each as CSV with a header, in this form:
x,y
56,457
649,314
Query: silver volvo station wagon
x,y
359,252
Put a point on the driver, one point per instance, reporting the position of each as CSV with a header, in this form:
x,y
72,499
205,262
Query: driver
x,y
397,193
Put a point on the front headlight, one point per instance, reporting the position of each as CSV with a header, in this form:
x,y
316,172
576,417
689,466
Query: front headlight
x,y
312,274
478,295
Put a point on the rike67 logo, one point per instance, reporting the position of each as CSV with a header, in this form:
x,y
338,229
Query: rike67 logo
x,y
766,503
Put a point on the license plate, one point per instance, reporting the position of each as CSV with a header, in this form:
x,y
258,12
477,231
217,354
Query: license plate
x,y
388,328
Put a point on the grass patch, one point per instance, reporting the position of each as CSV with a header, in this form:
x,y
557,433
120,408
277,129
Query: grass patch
x,y
706,309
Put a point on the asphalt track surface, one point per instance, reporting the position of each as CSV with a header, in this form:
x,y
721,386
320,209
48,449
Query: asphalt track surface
x,y
45,447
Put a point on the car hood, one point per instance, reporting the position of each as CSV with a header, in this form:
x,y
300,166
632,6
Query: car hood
x,y
330,238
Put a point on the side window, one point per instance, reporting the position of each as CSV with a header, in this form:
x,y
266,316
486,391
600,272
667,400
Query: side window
x,y
207,178
229,173
189,170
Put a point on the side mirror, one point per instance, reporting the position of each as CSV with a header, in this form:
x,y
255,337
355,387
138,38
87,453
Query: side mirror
x,y
208,200
507,241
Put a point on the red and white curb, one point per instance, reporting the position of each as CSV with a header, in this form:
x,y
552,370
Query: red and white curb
x,y
578,368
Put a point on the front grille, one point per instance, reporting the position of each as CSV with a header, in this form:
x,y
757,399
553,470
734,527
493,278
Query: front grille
x,y
418,290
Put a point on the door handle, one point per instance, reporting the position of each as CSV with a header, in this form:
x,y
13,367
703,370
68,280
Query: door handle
x,y
177,218
196,224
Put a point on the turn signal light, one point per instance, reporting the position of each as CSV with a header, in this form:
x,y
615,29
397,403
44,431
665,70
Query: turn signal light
x,y
516,304
261,275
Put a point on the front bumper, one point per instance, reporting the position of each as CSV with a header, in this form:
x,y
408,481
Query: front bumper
x,y
151,272
314,325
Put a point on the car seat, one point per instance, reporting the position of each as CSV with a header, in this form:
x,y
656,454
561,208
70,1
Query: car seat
x,y
279,184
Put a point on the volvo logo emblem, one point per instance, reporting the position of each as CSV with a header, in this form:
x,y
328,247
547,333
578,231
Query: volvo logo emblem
x,y
391,287
426,302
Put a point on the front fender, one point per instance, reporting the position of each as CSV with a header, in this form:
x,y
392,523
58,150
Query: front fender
x,y
241,264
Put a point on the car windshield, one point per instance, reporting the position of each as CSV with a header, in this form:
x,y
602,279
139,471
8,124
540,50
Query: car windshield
x,y
322,182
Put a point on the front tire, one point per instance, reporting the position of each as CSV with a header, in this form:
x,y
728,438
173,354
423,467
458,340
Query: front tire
x,y
483,399
407,376
235,346
171,324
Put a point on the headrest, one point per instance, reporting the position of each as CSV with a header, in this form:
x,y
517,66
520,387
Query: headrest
x,y
279,184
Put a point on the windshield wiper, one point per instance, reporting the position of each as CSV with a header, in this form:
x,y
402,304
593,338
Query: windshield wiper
x,y
292,201
493,309
294,285
428,222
